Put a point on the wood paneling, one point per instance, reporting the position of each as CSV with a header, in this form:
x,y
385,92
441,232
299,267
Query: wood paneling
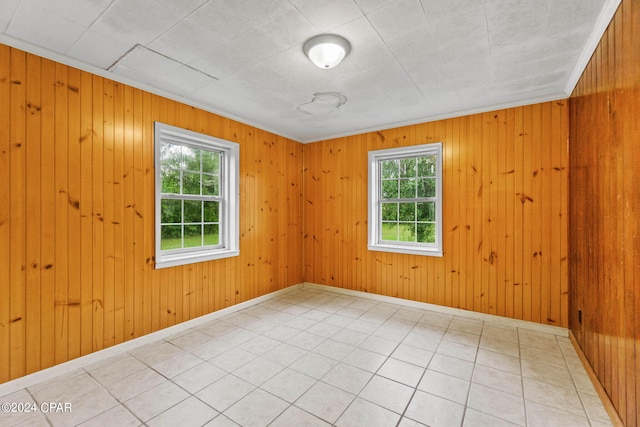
x,y
604,207
77,220
505,215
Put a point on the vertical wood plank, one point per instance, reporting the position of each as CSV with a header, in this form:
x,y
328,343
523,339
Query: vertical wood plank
x,y
86,213
48,225
98,215
118,213
33,260
17,167
73,213
5,211
129,215
61,164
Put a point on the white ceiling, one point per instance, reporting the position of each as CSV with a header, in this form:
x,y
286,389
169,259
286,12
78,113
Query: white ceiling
x,y
411,60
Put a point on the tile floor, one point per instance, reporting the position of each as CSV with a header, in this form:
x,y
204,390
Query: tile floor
x,y
312,357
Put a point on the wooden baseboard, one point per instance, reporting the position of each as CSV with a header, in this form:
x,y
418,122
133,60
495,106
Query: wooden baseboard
x,y
604,397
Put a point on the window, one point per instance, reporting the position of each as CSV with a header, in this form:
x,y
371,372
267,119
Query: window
x,y
196,197
405,200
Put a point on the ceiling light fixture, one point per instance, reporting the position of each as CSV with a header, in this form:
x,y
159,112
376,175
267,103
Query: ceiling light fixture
x,y
326,50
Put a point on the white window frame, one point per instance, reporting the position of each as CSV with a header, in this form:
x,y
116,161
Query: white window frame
x,y
375,201
229,196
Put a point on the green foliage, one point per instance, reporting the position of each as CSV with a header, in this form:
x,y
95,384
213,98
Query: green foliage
x,y
409,232
191,171
188,170
408,178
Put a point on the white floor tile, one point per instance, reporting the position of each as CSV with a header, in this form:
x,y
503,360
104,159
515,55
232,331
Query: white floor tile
x,y
156,400
446,386
563,398
451,366
497,379
258,370
543,416
387,393
225,392
365,359
347,377
314,365
289,384
475,418
413,355
434,411
199,377
501,361
499,404
135,384
189,412
363,413
257,409
334,349
294,416
325,401
285,354
402,372
117,416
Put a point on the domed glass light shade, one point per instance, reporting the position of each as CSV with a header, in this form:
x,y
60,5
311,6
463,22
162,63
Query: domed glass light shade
x,y
326,50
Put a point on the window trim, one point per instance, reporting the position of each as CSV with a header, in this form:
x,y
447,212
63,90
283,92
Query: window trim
x,y
374,200
229,229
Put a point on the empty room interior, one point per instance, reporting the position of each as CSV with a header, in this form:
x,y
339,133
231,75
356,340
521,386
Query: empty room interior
x,y
316,213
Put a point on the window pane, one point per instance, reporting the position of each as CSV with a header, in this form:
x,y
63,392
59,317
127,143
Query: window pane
x,y
407,188
210,162
389,169
426,233
192,211
191,159
406,232
190,183
170,181
408,168
171,211
210,185
171,237
427,166
192,236
390,231
211,211
427,187
171,156
211,235
389,211
427,211
407,211
390,189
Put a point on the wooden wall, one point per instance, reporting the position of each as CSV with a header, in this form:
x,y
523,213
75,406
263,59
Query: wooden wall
x,y
505,215
77,219
604,209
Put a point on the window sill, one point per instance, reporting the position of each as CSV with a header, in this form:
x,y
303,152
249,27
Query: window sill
x,y
406,249
191,258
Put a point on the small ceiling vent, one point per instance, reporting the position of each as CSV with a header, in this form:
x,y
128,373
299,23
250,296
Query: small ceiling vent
x,y
323,103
